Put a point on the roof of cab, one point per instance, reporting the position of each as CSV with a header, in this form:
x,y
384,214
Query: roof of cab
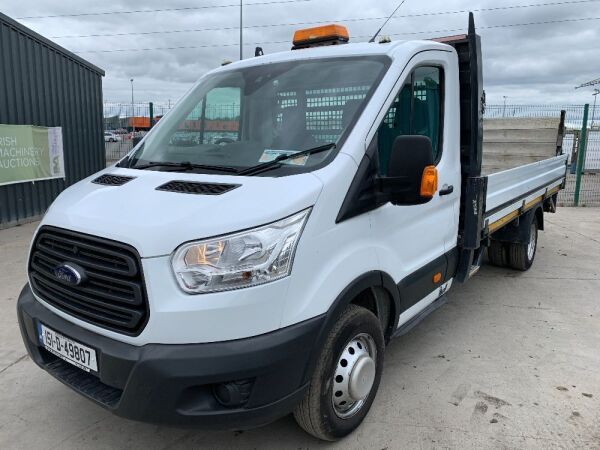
x,y
344,50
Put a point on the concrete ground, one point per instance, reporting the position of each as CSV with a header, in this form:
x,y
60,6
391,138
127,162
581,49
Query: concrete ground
x,y
511,361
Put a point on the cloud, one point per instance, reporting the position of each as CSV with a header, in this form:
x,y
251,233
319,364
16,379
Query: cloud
x,y
530,64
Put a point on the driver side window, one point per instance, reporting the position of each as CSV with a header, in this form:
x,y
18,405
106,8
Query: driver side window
x,y
416,110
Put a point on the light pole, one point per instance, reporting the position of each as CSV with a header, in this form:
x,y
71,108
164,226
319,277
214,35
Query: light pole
x,y
504,105
132,111
241,27
595,94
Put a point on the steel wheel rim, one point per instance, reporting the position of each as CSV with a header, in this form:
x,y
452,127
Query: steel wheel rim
x,y
531,244
354,376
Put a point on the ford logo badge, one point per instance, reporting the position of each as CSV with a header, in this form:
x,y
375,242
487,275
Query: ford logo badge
x,y
70,273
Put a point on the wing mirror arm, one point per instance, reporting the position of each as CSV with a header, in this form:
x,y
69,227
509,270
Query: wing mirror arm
x,y
386,188
388,185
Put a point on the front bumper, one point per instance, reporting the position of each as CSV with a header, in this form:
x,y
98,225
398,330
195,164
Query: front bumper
x,y
174,384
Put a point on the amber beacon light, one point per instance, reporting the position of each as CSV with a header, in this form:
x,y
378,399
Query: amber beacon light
x,y
318,36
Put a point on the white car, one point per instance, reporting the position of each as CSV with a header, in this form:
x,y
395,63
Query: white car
x,y
111,137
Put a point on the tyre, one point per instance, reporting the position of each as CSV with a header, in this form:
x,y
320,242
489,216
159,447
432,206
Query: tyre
x,y
346,377
497,253
520,256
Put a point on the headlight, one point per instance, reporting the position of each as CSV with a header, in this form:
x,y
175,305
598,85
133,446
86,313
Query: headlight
x,y
241,259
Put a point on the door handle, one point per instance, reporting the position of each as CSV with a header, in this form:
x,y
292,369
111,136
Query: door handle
x,y
446,190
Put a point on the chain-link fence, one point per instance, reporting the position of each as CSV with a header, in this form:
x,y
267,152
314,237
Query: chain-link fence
x,y
126,123
588,191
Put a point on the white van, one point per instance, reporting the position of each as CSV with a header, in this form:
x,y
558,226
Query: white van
x,y
256,251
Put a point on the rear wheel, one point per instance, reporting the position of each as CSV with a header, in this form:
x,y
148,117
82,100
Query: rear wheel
x,y
346,378
497,253
521,255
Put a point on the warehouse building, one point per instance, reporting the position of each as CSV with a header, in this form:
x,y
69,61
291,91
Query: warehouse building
x,y
51,122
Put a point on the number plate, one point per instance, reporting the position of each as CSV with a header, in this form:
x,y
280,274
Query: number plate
x,y
71,351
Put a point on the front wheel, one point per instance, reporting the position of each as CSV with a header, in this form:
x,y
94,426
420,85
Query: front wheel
x,y
520,256
346,378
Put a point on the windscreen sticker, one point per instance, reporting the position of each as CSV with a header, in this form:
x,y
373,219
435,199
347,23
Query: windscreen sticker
x,y
271,154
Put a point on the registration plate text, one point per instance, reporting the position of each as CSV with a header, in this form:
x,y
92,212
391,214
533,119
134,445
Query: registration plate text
x,y
71,351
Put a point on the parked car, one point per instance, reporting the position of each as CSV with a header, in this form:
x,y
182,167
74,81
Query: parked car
x,y
229,284
111,137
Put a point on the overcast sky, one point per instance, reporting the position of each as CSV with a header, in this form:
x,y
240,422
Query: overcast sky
x,y
532,64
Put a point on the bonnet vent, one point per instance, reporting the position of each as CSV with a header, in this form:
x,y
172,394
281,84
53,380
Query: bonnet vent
x,y
112,180
191,187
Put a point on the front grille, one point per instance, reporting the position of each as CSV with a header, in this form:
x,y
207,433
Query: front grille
x,y
191,187
112,180
112,294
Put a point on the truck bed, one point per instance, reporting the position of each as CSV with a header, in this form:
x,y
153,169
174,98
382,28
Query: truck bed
x,y
521,165
511,192
516,141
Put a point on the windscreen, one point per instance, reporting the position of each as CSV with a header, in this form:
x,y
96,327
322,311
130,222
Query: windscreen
x,y
241,118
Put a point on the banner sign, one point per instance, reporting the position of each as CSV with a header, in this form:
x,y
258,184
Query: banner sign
x,y
30,153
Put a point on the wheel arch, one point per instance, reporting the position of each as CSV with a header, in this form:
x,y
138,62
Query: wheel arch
x,y
374,290
517,231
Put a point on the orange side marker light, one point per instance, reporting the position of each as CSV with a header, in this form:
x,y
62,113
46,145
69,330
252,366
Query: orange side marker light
x,y
429,182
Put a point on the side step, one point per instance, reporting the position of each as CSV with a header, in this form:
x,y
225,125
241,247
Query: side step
x,y
473,270
475,265
419,317
478,259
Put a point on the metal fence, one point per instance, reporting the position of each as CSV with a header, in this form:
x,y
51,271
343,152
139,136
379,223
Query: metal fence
x,y
584,161
124,123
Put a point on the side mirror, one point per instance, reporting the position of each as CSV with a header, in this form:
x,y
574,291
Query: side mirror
x,y
411,176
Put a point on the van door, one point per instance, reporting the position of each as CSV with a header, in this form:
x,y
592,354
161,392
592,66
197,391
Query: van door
x,y
415,240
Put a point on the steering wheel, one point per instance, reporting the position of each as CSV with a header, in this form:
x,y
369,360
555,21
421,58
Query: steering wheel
x,y
223,141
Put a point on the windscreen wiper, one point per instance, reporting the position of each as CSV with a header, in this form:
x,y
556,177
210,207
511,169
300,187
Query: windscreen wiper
x,y
259,168
186,165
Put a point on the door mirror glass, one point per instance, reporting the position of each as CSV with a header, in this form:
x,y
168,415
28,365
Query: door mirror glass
x,y
411,177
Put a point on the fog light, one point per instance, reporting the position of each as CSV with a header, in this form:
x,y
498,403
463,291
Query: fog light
x,y
233,393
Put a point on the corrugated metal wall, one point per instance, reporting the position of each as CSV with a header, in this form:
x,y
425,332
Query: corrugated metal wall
x,y
43,84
